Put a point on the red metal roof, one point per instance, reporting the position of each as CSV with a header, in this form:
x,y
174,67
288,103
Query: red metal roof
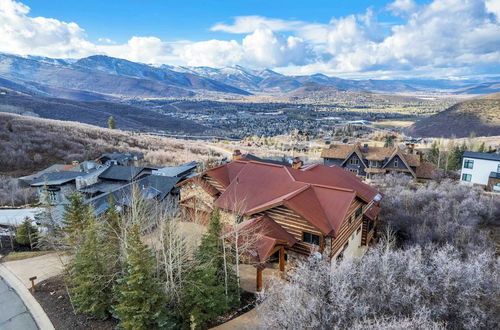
x,y
320,194
263,233
373,212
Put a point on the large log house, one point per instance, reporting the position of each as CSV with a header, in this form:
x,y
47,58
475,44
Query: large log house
x,y
296,211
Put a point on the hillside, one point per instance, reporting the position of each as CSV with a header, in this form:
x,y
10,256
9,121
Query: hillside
x,y
102,76
93,112
30,144
480,117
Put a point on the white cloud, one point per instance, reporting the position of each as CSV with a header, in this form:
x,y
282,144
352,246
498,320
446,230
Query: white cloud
x,y
493,6
248,24
402,7
262,48
216,53
454,35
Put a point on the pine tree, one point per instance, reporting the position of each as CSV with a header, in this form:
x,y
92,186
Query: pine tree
x,y
112,234
211,287
90,287
27,234
482,148
433,154
111,122
139,294
9,127
75,218
455,158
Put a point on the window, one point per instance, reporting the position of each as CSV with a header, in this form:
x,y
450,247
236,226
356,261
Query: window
x,y
373,163
352,236
468,163
359,211
466,177
310,238
396,162
353,170
498,168
351,219
357,231
354,161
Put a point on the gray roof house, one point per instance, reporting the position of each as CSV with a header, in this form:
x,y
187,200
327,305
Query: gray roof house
x,y
124,173
151,187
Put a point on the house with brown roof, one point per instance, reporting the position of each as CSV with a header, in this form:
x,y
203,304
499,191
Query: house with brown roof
x,y
367,161
293,211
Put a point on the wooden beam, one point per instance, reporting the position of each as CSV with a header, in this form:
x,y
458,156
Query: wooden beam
x,y
259,279
282,259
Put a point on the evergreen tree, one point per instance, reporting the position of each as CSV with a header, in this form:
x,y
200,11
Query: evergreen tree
x,y
90,287
27,234
389,141
482,148
111,122
112,234
75,218
139,294
433,154
455,158
211,287
9,127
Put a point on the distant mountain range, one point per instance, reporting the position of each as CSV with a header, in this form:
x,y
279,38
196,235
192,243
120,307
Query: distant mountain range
x,y
106,78
480,117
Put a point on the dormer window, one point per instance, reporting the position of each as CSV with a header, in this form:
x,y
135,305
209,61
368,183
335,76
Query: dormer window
x,y
354,161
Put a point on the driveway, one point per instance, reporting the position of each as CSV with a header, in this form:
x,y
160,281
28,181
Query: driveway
x,y
42,267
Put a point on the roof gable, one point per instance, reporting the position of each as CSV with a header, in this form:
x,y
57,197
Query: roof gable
x,y
320,194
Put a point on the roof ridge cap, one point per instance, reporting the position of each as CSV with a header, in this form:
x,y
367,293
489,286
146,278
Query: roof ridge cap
x,y
333,187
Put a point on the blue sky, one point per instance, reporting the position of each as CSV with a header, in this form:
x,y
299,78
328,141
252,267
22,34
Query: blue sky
x,y
369,39
191,19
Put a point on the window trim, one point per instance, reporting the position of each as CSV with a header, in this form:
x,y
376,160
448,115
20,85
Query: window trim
x,y
311,241
466,175
354,161
469,163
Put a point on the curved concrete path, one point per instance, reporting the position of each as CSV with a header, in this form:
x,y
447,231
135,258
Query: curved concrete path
x,y
20,310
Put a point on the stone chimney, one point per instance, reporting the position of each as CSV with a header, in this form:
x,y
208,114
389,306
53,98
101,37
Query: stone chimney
x,y
237,154
365,148
297,163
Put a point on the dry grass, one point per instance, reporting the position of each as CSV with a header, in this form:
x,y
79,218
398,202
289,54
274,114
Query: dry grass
x,y
30,144
13,256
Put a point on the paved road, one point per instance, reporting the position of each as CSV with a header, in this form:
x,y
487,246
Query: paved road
x,y
14,313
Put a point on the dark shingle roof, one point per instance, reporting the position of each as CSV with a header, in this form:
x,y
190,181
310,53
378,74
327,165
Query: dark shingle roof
x,y
179,171
151,186
482,155
121,173
55,178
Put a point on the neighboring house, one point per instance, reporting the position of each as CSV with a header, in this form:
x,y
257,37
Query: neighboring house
x,y
482,169
120,158
293,211
124,173
150,187
54,187
180,171
367,161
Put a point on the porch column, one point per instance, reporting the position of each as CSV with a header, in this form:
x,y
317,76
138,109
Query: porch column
x,y
282,259
259,278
